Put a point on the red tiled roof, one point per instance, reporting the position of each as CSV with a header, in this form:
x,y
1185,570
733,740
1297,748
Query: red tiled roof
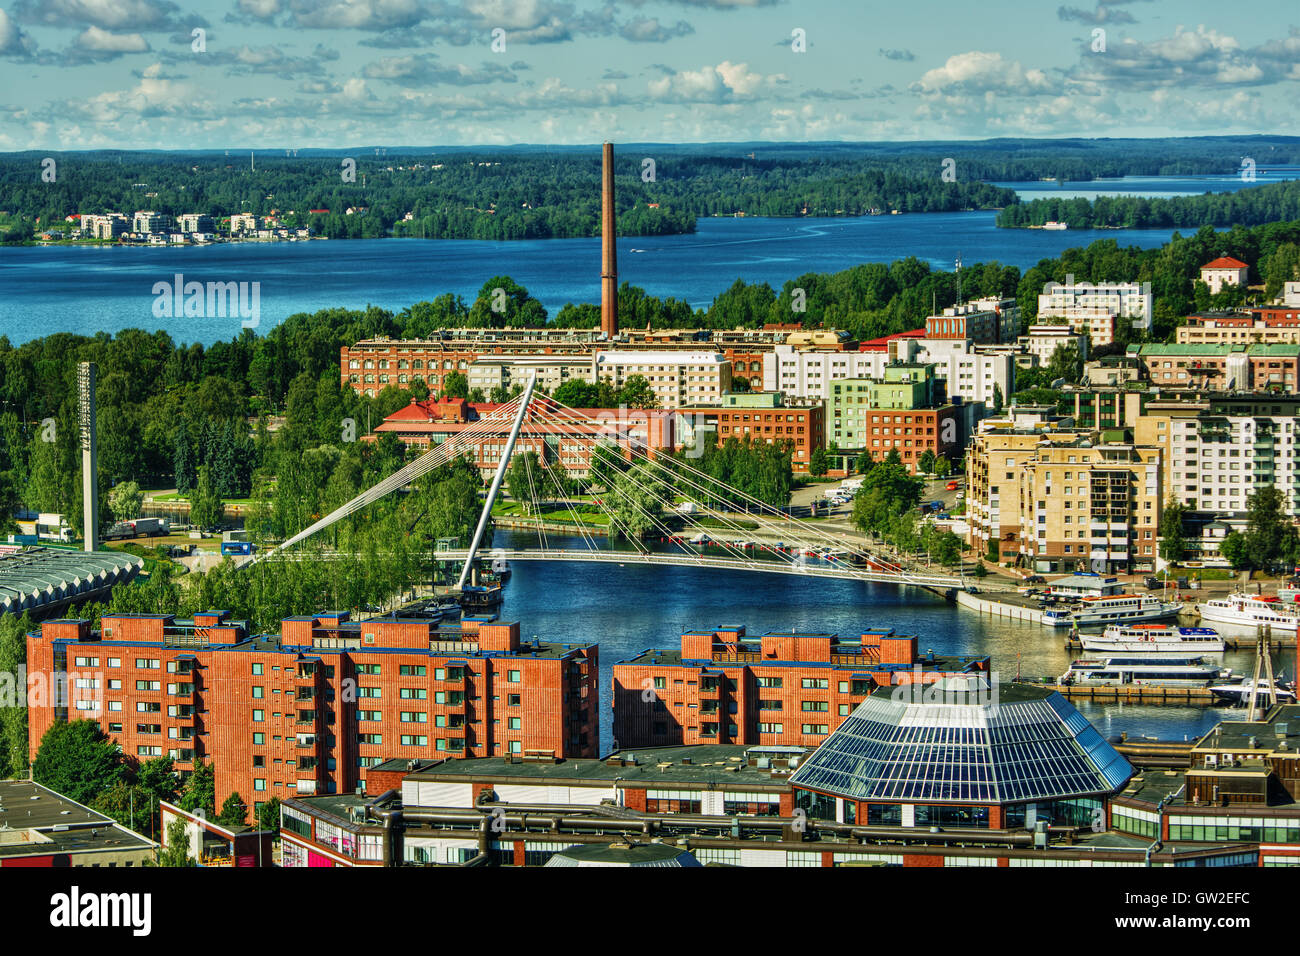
x,y
882,344
1225,262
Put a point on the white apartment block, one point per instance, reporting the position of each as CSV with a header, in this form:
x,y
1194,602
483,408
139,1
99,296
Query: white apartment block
x,y
552,371
1096,308
808,374
150,222
1217,463
243,222
678,378
1043,341
194,222
971,372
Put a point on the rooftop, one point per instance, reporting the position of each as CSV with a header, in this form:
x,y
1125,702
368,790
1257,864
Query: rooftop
x,y
31,578
961,741
36,821
698,765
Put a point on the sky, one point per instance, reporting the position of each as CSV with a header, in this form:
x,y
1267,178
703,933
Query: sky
x,y
156,74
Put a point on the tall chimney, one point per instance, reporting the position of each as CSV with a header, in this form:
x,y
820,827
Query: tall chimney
x,y
608,253
89,462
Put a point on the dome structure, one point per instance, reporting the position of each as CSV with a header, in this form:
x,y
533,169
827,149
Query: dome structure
x,y
963,741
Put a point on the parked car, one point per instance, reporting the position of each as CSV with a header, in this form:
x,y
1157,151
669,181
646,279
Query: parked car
x,y
1035,579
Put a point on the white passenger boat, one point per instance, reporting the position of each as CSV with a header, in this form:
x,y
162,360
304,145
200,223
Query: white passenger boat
x,y
1239,692
1161,671
1122,609
1148,638
1251,610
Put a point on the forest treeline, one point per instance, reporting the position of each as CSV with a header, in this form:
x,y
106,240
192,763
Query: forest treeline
x,y
476,196
1274,202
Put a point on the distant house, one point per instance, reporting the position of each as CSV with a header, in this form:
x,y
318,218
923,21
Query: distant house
x,y
319,212
1224,271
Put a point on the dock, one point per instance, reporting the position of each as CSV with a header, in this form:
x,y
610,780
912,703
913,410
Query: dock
x,y
1136,694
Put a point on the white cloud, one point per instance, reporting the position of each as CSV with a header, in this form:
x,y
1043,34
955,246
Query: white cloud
x,y
723,83
102,41
979,72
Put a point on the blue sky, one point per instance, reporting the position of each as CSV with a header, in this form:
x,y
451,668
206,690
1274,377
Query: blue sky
x,y
337,73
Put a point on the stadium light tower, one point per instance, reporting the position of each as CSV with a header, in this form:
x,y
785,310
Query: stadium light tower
x,y
89,463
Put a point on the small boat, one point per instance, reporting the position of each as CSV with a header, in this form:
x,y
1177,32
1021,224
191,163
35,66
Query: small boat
x,y
1147,638
1053,225
700,539
1251,610
1156,671
1057,617
1122,609
1239,692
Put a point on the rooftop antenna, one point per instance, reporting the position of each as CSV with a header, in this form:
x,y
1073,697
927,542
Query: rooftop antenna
x,y
959,278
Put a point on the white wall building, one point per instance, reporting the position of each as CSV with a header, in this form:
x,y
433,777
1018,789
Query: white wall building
x,y
1224,271
1096,308
808,374
552,371
678,378
1043,341
1218,463
970,372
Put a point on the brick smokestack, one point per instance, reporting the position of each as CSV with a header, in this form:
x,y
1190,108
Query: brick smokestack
x,y
608,252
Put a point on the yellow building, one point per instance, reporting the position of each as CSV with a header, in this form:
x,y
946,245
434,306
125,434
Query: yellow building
x,y
1091,506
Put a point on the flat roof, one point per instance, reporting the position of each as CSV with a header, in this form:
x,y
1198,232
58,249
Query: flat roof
x,y
710,764
61,824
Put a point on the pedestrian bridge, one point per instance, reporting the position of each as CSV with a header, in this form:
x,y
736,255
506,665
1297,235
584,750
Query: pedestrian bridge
x,y
811,567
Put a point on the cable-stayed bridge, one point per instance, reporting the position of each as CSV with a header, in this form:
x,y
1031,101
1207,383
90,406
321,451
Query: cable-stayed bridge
x,y
691,518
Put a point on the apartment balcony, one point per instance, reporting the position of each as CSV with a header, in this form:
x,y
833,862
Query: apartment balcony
x,y
306,741
306,787
306,717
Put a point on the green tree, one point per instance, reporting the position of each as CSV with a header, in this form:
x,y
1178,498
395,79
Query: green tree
x,y
455,385
125,500
177,851
524,480
925,463
947,549
638,393
199,792
817,462
268,815
128,804
997,399
13,715
1233,550
78,760
1269,532
634,508
942,467
234,812
1172,542
206,508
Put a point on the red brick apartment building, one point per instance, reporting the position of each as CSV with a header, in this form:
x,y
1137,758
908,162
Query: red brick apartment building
x,y
311,709
723,687
567,443
371,365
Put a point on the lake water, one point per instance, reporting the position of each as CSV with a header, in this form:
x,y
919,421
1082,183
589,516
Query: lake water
x,y
629,609
85,290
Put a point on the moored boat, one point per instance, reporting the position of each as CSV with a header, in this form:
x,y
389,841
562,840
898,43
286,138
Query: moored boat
x,y
1154,638
1251,610
1157,671
1239,692
1122,609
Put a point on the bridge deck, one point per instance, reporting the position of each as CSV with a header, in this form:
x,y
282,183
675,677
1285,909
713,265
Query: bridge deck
x,y
837,571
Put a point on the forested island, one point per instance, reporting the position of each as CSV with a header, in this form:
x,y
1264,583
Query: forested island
x,y
1274,202
482,195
